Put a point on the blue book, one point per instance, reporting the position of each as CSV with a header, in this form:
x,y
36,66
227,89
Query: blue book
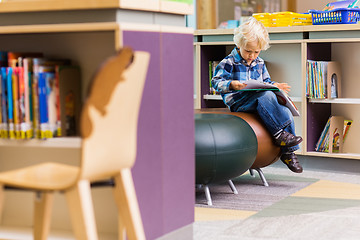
x,y
10,103
4,102
43,114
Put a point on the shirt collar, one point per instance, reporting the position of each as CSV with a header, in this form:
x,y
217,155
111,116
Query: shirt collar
x,y
239,59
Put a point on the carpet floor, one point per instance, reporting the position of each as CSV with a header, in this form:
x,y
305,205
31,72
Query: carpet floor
x,y
311,205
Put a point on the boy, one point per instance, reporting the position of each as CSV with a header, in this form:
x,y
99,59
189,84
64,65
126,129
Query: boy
x,y
243,64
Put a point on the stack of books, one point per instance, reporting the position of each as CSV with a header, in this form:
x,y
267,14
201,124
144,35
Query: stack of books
x,y
323,79
40,97
333,135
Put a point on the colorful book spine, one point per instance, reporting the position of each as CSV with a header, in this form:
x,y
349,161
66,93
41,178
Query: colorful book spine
x,y
43,111
35,97
10,104
16,105
39,97
58,103
4,105
27,65
1,107
51,103
21,103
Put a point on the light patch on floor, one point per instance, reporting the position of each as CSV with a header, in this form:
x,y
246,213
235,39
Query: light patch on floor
x,y
330,189
216,214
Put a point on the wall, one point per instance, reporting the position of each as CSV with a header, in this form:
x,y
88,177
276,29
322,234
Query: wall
x,y
306,5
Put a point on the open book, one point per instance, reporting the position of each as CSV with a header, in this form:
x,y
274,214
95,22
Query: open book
x,y
283,98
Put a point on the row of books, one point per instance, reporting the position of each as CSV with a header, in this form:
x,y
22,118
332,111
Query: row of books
x,y
212,66
333,135
323,79
40,97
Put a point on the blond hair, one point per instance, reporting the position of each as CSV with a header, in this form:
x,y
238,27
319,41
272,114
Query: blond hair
x,y
249,31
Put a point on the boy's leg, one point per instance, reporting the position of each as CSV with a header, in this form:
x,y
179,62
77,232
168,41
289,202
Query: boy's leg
x,y
278,120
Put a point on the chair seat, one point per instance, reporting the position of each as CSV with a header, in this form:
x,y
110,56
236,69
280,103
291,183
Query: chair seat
x,y
45,176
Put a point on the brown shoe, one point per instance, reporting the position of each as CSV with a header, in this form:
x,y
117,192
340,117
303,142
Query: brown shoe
x,y
286,139
291,161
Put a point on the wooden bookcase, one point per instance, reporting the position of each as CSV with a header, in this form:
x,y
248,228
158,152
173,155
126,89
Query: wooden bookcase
x,y
286,60
87,32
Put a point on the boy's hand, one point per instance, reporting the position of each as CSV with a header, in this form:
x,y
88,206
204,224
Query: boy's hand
x,y
236,85
283,86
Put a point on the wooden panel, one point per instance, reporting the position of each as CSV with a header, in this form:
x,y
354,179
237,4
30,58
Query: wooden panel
x,y
51,5
206,14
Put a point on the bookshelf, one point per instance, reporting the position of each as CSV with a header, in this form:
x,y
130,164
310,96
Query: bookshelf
x,y
87,32
286,59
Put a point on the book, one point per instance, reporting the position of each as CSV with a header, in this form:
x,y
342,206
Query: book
x,y
4,105
323,79
27,75
11,127
212,67
46,93
283,98
69,81
1,118
333,135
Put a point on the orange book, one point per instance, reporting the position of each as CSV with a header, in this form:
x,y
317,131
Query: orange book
x,y
15,94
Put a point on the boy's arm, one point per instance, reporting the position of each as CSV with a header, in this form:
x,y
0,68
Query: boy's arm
x,y
283,86
266,76
221,80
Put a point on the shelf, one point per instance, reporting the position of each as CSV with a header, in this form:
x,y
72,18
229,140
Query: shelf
x,y
69,27
330,42
218,97
337,100
10,6
62,142
212,97
334,155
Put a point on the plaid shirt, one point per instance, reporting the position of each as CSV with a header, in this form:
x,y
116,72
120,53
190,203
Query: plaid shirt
x,y
234,67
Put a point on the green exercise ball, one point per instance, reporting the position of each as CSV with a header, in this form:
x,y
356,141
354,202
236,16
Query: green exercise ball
x,y
225,147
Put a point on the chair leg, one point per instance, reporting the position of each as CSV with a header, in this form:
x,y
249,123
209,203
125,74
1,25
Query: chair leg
x,y
232,186
122,229
125,198
1,201
208,195
262,176
42,214
81,211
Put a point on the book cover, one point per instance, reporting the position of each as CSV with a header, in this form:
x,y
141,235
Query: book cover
x,y
21,102
3,58
14,58
27,65
45,94
15,95
336,138
37,62
4,105
333,79
323,79
334,132
51,104
69,79
1,107
11,126
283,98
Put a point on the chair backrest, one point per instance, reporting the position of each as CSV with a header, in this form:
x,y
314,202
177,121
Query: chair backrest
x,y
109,118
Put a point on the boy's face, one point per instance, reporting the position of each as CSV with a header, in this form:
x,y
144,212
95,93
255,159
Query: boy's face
x,y
250,52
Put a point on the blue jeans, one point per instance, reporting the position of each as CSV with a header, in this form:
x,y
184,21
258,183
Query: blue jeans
x,y
274,115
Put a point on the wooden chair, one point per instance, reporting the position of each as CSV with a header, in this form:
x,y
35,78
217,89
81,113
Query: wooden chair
x,y
109,130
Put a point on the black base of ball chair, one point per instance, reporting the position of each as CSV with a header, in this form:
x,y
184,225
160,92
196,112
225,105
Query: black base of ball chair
x,y
268,153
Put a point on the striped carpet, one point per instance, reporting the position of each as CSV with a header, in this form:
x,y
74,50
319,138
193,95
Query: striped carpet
x,y
310,205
